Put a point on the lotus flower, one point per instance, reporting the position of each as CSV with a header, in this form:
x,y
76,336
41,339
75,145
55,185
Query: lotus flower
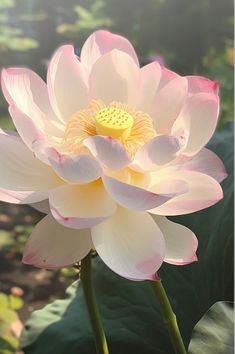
x,y
108,149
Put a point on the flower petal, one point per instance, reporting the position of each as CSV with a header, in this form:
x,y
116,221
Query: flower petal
x,y
115,77
203,191
26,90
199,119
67,85
21,170
150,76
52,246
197,84
74,168
102,42
181,242
207,162
136,197
21,197
156,152
108,151
131,244
81,206
42,206
168,104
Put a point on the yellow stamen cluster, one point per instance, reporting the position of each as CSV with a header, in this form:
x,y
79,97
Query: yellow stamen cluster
x,y
120,121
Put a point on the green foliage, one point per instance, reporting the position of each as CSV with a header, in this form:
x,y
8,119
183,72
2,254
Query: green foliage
x,y
213,334
130,313
6,4
88,20
8,304
220,67
12,38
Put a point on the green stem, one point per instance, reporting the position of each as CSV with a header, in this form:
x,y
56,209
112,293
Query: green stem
x,y
169,317
85,275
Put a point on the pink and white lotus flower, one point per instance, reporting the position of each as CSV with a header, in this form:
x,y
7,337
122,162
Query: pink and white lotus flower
x,y
108,149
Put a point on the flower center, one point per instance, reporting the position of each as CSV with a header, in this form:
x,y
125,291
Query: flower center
x,y
113,121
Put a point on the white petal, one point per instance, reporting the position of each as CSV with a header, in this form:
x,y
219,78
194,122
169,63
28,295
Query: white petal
x,y
26,90
108,151
21,170
207,162
131,244
136,197
75,168
199,119
156,152
66,83
52,245
42,206
150,76
81,206
168,104
21,197
102,42
115,77
181,242
203,191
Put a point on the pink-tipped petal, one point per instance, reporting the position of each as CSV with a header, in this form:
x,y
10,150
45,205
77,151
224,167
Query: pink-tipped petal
x,y
197,84
131,244
21,170
53,246
102,42
74,168
81,206
206,161
26,90
181,242
21,197
67,83
199,119
25,126
150,76
115,77
135,197
168,103
156,152
108,151
203,191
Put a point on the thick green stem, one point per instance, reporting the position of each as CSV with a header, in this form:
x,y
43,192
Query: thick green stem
x,y
169,317
100,340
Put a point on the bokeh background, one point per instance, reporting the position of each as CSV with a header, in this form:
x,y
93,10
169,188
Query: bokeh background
x,y
188,36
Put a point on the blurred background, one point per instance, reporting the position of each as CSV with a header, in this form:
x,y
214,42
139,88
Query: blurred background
x,y
188,36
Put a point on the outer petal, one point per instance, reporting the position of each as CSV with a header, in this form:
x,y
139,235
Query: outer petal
x,y
150,76
26,90
115,77
156,152
21,197
206,162
168,104
21,171
51,245
203,191
131,244
66,83
75,168
197,84
42,206
198,121
137,197
108,151
102,42
81,206
181,242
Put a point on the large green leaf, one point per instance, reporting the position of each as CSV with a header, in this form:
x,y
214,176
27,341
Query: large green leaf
x,y
129,310
214,333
